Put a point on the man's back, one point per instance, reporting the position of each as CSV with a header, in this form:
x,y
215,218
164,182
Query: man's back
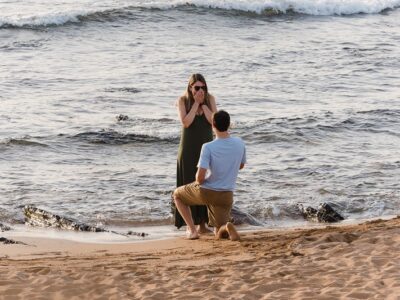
x,y
222,157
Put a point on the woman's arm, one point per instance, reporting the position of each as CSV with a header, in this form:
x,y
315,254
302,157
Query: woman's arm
x,y
186,118
207,111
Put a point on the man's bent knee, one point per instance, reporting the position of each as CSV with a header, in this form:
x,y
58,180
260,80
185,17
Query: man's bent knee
x,y
175,194
176,198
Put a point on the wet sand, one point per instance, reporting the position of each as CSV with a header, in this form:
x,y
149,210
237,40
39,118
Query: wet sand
x,y
334,262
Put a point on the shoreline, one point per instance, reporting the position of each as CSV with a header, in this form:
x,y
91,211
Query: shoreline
x,y
359,261
159,232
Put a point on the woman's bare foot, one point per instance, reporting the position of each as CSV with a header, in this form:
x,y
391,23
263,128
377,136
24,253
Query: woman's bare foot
x,y
192,235
202,228
233,234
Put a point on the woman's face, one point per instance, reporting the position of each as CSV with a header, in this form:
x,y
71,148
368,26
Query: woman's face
x,y
198,87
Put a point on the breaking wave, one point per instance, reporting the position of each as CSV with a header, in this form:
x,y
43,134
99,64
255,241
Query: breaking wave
x,y
22,142
112,137
109,11
309,7
316,128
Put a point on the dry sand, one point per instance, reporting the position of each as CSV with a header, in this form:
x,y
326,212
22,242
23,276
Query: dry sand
x,y
335,262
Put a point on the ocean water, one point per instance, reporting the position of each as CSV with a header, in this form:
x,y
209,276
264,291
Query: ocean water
x,y
313,88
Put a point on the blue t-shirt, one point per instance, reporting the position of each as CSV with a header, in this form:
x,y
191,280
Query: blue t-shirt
x,y
222,157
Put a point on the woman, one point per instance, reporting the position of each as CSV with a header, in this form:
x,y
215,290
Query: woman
x,y
195,109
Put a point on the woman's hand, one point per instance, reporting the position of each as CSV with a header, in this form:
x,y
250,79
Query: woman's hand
x,y
199,97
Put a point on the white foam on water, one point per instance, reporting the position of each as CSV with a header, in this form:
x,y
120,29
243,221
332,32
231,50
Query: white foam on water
x,y
154,233
311,7
41,13
162,232
56,18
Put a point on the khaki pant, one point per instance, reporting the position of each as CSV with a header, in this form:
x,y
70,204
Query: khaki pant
x,y
219,203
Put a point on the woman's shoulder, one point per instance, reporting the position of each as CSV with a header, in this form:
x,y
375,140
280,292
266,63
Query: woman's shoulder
x,y
181,100
212,100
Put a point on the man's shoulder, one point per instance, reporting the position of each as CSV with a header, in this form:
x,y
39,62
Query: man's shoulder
x,y
238,140
219,142
208,144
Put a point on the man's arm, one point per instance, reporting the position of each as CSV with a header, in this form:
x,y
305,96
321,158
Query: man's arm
x,y
243,159
200,175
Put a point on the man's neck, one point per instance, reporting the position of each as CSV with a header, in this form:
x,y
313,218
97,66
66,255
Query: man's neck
x,y
222,135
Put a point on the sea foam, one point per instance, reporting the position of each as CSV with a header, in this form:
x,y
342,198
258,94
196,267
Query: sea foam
x,y
310,7
40,19
39,13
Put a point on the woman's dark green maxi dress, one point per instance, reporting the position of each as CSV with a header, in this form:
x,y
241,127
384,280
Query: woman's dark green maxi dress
x,y
192,138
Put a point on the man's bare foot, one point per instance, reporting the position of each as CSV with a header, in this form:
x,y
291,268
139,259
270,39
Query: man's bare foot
x,y
233,234
222,233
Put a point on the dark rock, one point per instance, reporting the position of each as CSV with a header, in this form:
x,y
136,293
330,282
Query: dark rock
x,y
239,217
38,217
327,214
324,214
141,234
4,227
122,117
8,241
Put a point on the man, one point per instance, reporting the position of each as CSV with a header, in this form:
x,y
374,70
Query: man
x,y
223,158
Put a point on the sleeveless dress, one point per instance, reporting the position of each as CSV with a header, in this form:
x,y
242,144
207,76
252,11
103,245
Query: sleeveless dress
x,y
192,138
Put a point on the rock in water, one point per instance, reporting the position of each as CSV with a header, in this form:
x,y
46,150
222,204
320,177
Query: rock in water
x,y
324,214
122,117
38,217
141,234
327,214
240,217
8,241
4,227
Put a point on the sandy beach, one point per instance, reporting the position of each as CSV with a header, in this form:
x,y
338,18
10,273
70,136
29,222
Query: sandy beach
x,y
334,262
94,128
